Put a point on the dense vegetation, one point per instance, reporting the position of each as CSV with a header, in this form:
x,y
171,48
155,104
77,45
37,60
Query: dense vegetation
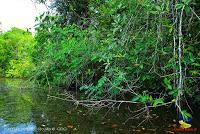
x,y
15,53
137,50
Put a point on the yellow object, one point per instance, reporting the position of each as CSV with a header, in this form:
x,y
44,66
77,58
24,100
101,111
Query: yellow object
x,y
184,124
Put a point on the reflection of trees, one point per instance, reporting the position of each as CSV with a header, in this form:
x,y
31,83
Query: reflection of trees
x,y
21,104
15,102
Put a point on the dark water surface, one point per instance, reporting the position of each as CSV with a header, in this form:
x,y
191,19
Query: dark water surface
x,y
26,109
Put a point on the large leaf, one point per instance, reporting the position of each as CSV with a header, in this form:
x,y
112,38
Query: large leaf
x,y
168,84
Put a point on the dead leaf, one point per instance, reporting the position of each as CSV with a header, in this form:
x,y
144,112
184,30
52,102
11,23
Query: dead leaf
x,y
70,126
114,125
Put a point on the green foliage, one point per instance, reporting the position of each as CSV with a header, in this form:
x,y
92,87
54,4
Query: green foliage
x,y
63,56
116,46
168,84
158,101
148,99
112,49
16,47
135,98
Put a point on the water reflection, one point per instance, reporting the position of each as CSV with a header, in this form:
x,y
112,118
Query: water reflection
x,y
25,109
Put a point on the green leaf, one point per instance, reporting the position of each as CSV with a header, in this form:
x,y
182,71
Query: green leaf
x,y
186,2
153,12
135,98
166,81
174,93
187,10
179,6
194,72
196,64
158,101
158,8
145,98
185,114
168,84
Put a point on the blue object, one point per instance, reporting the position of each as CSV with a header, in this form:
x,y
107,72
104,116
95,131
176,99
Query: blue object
x,y
185,119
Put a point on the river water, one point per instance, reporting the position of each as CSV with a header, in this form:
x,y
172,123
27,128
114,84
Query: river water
x,y
26,109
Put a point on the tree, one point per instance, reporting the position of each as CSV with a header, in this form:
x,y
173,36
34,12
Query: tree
x,y
15,50
140,48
